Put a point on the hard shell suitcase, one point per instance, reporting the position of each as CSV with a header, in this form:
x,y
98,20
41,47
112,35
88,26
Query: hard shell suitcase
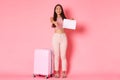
x,y
43,62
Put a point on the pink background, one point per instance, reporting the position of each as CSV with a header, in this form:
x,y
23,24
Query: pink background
x,y
94,47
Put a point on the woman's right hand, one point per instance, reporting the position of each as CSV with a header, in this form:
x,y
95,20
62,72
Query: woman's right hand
x,y
56,24
53,22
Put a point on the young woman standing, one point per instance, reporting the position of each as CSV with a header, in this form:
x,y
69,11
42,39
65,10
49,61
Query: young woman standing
x,y
59,40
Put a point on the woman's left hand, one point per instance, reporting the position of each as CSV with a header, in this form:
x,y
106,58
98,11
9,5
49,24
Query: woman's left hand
x,y
72,18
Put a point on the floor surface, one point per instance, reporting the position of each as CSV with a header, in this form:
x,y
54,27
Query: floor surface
x,y
69,77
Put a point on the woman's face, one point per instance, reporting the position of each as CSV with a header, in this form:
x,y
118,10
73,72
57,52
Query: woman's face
x,y
58,10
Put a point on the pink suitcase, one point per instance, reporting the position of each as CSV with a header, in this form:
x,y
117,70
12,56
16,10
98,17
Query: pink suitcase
x,y
43,62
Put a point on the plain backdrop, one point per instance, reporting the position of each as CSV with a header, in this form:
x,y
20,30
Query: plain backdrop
x,y
93,48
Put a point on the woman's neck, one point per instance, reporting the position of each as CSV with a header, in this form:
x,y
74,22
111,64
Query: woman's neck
x,y
58,16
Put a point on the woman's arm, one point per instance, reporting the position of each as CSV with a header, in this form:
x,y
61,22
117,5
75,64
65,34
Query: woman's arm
x,y
53,22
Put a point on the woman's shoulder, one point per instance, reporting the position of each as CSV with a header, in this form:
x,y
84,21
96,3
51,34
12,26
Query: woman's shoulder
x,y
51,18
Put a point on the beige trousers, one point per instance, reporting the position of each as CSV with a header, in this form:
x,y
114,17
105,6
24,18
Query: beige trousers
x,y
59,42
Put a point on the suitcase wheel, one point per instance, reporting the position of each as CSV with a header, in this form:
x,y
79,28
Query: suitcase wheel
x,y
46,77
51,75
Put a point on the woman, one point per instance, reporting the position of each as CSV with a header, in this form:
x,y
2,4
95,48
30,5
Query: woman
x,y
59,40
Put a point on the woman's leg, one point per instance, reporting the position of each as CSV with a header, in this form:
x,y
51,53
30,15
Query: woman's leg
x,y
56,53
63,48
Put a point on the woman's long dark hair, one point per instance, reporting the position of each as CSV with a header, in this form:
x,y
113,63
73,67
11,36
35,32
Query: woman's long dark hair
x,y
55,14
